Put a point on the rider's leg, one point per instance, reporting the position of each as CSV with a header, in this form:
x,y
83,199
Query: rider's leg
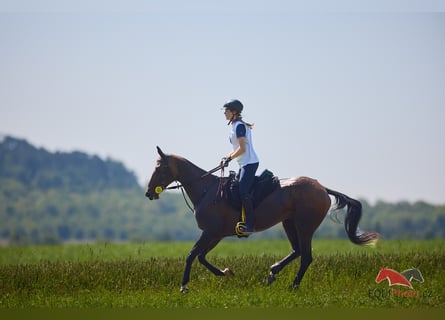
x,y
246,180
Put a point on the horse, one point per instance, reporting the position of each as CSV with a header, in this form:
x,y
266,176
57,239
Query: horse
x,y
300,204
394,278
413,274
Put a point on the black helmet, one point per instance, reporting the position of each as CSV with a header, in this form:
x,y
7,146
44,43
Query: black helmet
x,y
234,105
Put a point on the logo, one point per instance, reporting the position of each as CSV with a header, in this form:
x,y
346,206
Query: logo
x,y
404,279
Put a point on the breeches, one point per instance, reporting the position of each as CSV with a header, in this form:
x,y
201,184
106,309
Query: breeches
x,y
246,178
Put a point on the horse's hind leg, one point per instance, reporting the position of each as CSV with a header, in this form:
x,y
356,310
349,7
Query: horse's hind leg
x,y
306,257
292,235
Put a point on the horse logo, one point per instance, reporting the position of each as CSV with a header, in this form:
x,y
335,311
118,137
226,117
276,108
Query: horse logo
x,y
403,278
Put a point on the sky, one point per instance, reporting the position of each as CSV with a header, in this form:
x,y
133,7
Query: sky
x,y
350,94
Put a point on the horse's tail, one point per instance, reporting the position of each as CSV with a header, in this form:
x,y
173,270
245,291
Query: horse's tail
x,y
353,215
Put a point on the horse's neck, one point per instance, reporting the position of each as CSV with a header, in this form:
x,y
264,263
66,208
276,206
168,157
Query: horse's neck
x,y
191,177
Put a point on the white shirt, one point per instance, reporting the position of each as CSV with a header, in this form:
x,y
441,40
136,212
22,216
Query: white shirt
x,y
249,156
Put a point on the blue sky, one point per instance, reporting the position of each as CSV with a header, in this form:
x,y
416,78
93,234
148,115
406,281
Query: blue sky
x,y
352,96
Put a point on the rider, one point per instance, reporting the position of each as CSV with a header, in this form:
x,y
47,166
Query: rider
x,y
243,151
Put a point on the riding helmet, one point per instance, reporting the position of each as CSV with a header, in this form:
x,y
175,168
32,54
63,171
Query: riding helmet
x,y
234,105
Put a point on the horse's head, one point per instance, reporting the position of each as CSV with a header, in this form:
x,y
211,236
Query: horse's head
x,y
161,177
383,274
413,273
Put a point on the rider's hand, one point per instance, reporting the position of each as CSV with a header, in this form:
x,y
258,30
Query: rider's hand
x,y
225,162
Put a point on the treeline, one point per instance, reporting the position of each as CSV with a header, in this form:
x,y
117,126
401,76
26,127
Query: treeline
x,y
52,198
56,216
22,163
402,220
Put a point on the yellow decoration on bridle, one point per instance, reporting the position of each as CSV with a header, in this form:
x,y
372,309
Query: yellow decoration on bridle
x,y
158,189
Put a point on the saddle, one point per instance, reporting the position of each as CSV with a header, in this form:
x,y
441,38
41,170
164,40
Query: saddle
x,y
264,184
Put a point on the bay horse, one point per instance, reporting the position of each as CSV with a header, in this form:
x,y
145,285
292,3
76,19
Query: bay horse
x,y
300,204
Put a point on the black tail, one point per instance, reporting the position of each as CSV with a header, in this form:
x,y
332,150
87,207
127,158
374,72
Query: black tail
x,y
353,215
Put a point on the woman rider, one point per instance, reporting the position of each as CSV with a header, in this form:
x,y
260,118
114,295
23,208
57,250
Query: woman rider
x,y
243,151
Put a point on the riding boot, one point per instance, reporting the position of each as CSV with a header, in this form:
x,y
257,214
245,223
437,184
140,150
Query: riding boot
x,y
248,210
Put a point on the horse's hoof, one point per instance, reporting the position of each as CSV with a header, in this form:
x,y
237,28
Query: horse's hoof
x,y
271,278
294,286
228,273
184,289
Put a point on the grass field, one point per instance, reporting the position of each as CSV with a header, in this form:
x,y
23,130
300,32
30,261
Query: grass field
x,y
148,276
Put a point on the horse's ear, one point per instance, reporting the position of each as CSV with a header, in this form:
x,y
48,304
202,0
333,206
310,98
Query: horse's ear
x,y
162,154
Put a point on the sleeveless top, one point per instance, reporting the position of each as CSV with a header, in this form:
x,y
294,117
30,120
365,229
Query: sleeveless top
x,y
239,129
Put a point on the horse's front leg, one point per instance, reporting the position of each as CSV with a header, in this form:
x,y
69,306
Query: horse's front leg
x,y
202,259
204,244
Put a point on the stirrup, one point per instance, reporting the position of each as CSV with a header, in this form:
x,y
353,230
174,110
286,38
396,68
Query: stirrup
x,y
240,230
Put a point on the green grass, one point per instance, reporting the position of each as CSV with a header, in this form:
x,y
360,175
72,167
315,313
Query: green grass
x,y
148,276
227,248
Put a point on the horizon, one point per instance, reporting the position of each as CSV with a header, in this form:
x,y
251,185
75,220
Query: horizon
x,y
130,170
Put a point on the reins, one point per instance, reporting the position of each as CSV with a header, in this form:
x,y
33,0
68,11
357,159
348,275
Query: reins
x,y
180,186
